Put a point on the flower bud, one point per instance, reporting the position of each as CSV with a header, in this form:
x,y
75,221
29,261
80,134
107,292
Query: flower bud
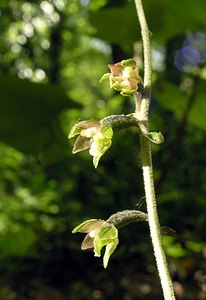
x,y
124,77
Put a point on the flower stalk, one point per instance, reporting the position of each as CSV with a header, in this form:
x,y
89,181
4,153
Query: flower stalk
x,y
96,136
146,159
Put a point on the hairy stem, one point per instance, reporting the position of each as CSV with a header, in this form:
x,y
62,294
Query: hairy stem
x,y
144,109
146,160
118,122
125,217
153,220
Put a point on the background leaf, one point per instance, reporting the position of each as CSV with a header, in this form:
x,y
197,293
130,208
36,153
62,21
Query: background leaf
x,y
29,115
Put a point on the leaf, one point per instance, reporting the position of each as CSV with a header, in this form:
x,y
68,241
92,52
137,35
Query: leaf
x,y
198,111
29,116
18,96
172,98
18,242
160,16
155,137
120,26
168,231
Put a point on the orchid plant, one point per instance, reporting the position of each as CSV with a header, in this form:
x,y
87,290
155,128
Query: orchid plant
x,y
96,136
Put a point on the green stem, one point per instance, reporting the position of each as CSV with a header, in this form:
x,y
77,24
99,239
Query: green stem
x,y
153,220
146,159
144,109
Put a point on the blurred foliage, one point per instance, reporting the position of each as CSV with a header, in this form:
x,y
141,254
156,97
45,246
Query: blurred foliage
x,y
52,55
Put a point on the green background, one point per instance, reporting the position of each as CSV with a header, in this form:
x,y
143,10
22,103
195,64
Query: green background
x,y
52,55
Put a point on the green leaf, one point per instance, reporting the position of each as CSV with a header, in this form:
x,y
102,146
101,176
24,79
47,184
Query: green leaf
x,y
29,116
155,137
196,246
198,111
32,98
121,24
168,231
18,242
173,248
172,98
120,27
96,4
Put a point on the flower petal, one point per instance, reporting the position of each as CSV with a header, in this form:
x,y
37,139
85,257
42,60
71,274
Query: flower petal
x,y
82,143
78,127
116,69
88,225
104,77
87,242
101,143
74,131
105,235
129,62
109,250
96,160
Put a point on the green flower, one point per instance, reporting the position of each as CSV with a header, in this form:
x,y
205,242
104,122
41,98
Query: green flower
x,y
99,234
94,136
124,77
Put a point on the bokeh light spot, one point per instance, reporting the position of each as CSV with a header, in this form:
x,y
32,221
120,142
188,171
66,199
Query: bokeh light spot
x,y
192,53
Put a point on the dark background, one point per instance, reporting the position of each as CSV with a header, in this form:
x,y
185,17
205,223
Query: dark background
x,y
52,55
